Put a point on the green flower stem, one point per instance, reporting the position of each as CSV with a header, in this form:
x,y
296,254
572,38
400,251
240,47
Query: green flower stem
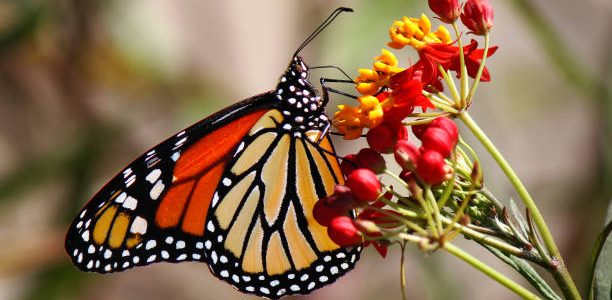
x,y
401,220
451,86
486,239
464,75
427,115
480,69
448,190
428,214
559,270
403,271
444,97
434,206
495,275
443,106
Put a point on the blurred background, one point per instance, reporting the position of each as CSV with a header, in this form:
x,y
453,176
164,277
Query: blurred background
x,y
86,86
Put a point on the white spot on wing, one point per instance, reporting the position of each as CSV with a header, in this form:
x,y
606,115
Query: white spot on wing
x,y
150,245
156,190
130,181
240,148
85,236
139,225
130,203
121,198
215,199
153,175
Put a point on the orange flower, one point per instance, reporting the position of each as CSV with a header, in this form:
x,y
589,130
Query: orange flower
x,y
416,33
370,81
350,120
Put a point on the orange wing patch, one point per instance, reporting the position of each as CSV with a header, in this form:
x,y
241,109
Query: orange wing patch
x,y
197,174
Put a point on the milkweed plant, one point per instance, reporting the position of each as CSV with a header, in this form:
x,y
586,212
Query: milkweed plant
x,y
439,194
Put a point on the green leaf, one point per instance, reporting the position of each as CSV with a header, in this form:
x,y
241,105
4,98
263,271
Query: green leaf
x,y
600,281
525,269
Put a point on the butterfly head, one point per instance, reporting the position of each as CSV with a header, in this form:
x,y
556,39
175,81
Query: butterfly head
x,y
298,99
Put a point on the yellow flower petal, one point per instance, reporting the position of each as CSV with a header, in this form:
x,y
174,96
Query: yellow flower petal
x,y
367,88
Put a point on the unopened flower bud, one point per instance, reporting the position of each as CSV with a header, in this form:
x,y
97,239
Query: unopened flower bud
x,y
447,10
323,213
477,16
382,138
438,140
448,125
343,232
406,154
348,164
419,130
342,199
432,168
364,185
370,159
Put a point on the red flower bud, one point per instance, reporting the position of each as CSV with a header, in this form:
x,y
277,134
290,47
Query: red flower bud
x,y
348,164
406,175
418,130
382,138
447,10
448,125
364,185
477,16
323,213
343,232
370,159
438,140
431,167
341,200
406,154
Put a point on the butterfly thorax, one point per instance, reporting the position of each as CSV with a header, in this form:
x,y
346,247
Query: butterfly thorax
x,y
299,101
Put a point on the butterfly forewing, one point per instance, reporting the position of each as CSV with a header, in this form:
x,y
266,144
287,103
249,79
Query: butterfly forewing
x,y
144,215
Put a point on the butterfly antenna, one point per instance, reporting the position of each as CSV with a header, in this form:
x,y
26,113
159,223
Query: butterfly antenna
x,y
321,27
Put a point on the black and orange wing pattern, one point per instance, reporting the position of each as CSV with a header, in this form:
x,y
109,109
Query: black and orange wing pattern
x,y
235,191
139,217
260,233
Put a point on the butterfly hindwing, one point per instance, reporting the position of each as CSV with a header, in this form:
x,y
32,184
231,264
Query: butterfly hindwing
x,y
261,236
144,214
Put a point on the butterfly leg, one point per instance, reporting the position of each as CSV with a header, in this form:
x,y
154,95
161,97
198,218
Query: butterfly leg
x,y
336,68
326,89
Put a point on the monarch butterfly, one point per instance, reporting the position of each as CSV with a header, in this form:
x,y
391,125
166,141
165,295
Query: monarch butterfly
x,y
235,191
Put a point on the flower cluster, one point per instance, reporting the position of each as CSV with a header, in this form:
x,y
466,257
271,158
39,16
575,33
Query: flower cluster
x,y
363,190
437,191
390,93
365,208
